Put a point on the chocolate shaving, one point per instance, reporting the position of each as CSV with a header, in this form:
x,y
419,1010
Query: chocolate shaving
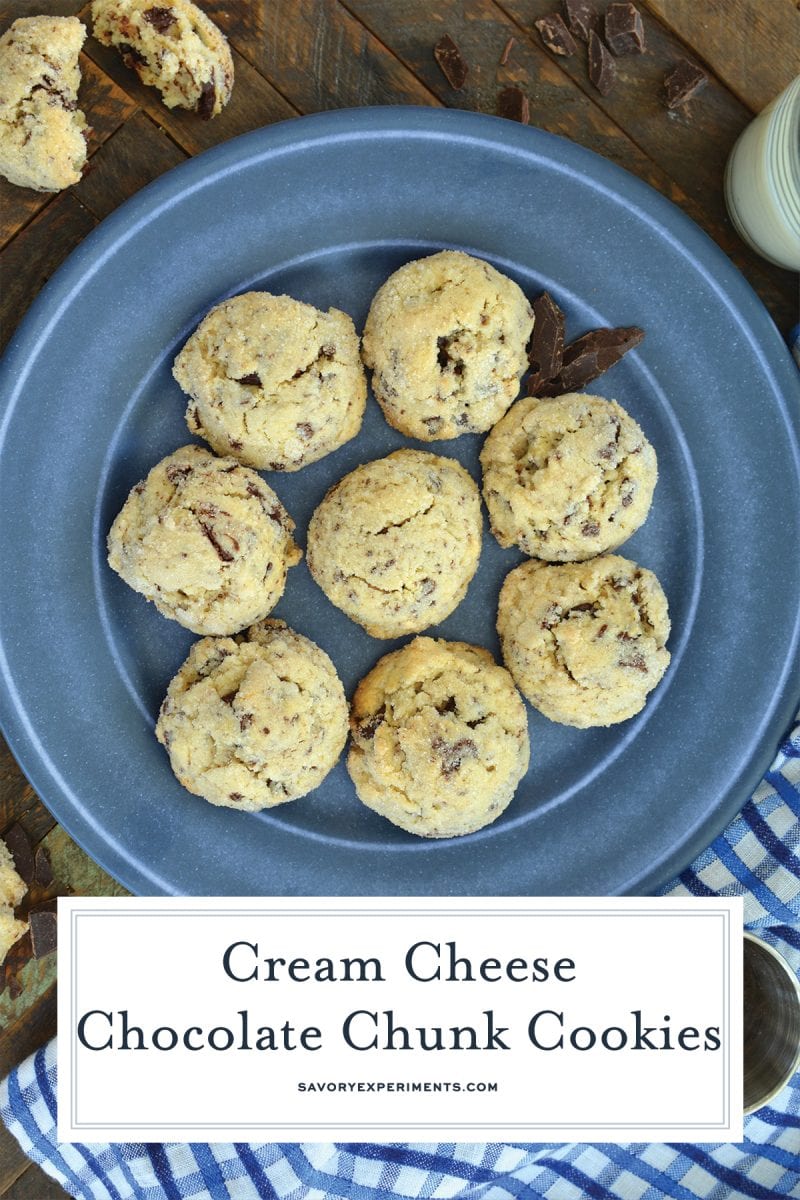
x,y
546,349
509,46
581,18
514,105
160,18
589,356
21,849
555,35
205,105
42,868
224,554
451,61
44,927
682,83
251,380
602,72
624,30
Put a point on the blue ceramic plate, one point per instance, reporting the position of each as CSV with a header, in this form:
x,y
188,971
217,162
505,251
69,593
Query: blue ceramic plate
x,y
324,208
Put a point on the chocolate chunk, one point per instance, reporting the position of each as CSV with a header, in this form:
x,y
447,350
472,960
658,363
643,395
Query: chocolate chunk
x,y
366,729
590,356
205,105
451,61
327,352
305,431
547,342
452,754
175,474
434,423
160,18
514,105
555,35
581,18
251,380
590,529
21,849
44,927
447,706
225,555
253,489
635,663
509,46
682,83
132,57
427,587
602,71
237,796
624,30
42,868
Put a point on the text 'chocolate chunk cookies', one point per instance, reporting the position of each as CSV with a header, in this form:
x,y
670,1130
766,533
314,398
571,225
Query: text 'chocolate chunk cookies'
x,y
395,543
253,721
172,46
206,540
585,642
446,339
273,382
440,738
569,478
42,130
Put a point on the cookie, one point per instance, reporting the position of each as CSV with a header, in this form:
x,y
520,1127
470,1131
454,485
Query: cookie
x,y
569,478
440,738
395,543
12,889
206,540
585,642
273,382
172,46
446,339
42,131
253,721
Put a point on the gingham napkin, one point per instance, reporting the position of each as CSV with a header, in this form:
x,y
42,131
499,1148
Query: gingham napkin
x,y
757,856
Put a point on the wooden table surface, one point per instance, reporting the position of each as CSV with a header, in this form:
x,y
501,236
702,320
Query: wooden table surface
x,y
303,56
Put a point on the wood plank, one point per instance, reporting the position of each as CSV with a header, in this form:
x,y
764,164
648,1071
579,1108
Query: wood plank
x,y
16,794
254,102
318,55
753,46
106,107
562,104
137,154
34,1184
32,257
12,1161
29,1031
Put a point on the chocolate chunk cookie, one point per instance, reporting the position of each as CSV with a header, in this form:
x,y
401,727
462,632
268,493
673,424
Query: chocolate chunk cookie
x,y
585,642
12,889
440,738
395,543
172,46
566,479
446,339
253,721
273,382
206,540
42,131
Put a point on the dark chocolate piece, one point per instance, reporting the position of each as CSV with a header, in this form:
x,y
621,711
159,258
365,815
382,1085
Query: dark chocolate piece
x,y
589,356
581,18
205,105
251,380
42,868
160,18
451,61
682,83
602,71
555,35
44,924
514,105
21,849
624,29
509,46
547,342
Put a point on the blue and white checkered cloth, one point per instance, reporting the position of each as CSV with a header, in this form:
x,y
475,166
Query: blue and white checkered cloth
x,y
757,856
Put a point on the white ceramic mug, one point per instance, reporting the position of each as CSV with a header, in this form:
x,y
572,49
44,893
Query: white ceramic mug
x,y
762,181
